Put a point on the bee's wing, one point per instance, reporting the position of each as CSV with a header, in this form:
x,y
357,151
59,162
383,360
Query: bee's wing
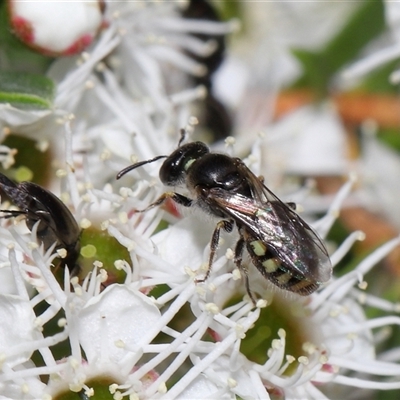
x,y
31,207
271,221
52,213
19,197
56,223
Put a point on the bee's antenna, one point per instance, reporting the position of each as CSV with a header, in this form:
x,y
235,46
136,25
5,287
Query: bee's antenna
x,y
183,136
139,164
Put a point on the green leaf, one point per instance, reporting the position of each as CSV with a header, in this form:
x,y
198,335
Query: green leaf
x,y
377,81
314,71
319,67
229,9
26,91
390,137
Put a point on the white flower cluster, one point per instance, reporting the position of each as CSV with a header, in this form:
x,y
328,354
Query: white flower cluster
x,y
158,334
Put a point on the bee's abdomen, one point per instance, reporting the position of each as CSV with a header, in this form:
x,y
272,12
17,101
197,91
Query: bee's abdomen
x,y
273,269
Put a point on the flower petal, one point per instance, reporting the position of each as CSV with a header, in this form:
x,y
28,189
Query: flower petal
x,y
119,315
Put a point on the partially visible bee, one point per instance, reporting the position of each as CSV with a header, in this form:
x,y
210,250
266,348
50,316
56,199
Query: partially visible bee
x,y
283,247
56,223
214,115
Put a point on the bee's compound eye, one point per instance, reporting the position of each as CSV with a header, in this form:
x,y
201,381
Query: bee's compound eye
x,y
174,168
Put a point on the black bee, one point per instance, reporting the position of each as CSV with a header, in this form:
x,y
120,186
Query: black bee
x,y
282,246
56,223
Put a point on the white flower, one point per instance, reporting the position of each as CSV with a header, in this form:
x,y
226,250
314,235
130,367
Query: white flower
x,y
252,75
27,123
280,27
160,332
116,90
308,142
80,22
118,328
324,314
112,345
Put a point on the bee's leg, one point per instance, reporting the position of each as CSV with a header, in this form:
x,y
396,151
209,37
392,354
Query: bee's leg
x,y
12,213
238,261
176,197
82,395
226,226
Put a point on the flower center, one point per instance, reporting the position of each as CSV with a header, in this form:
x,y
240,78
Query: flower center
x,y
98,388
285,313
98,245
31,163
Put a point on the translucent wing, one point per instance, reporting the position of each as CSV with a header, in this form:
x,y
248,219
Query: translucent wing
x,y
285,234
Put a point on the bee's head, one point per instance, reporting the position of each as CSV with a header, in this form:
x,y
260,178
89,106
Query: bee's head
x,y
174,169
